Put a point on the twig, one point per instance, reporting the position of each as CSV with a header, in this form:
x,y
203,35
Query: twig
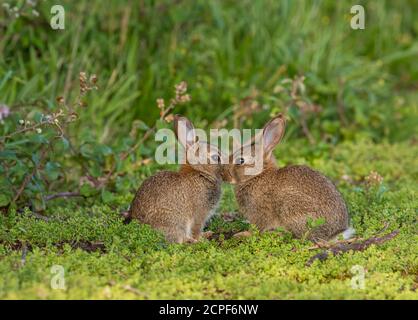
x,y
36,215
63,195
40,216
135,291
51,121
305,128
302,121
29,176
326,245
385,227
340,248
146,135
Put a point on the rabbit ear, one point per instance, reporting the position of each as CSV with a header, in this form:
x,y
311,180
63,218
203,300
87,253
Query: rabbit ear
x,y
184,130
272,133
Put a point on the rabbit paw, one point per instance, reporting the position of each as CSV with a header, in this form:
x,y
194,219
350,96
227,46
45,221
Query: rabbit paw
x,y
191,240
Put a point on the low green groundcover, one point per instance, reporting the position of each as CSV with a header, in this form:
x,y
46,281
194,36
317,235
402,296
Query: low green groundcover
x,y
103,258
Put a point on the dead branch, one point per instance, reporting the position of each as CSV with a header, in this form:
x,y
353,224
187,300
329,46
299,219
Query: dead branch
x,y
305,128
135,291
29,176
342,247
40,216
63,195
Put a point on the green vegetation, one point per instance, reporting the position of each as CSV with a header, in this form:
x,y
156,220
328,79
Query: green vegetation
x,y
137,263
350,97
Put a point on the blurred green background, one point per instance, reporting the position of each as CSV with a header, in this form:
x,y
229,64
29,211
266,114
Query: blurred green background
x,y
364,81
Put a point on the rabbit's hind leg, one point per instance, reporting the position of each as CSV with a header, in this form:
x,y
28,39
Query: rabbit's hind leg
x,y
177,234
196,230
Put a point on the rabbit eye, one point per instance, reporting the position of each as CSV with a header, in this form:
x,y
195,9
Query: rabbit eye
x,y
241,161
216,158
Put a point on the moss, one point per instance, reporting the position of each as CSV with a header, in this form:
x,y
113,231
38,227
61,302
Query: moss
x,y
138,264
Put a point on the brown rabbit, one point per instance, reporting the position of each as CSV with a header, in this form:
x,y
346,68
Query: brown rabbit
x,y
285,197
179,203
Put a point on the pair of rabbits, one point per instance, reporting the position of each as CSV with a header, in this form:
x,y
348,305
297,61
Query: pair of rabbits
x,y
180,203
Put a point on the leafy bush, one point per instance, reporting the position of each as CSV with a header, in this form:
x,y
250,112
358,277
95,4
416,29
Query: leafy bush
x,y
39,156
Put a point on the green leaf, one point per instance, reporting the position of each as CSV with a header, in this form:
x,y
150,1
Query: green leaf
x,y
294,112
38,138
4,200
87,190
142,125
37,116
52,170
160,124
96,170
38,203
103,150
8,155
107,196
314,223
16,143
85,151
64,143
